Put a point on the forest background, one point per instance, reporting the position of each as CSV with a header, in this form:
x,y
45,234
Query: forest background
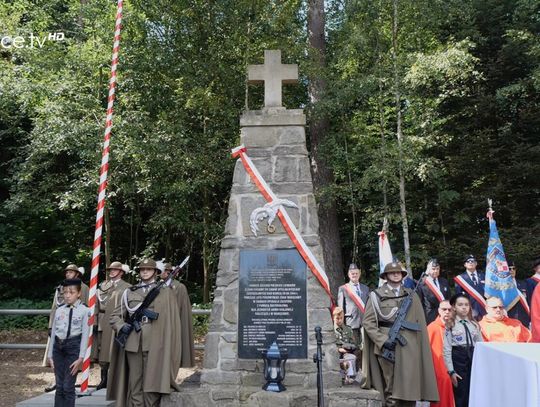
x,y
437,100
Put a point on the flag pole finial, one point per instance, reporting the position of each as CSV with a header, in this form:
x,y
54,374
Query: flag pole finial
x,y
490,209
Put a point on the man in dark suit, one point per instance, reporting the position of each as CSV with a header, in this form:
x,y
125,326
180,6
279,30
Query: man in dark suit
x,y
533,280
471,283
518,311
432,290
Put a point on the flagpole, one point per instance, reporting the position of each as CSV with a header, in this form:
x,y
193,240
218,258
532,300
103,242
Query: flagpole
x,y
101,196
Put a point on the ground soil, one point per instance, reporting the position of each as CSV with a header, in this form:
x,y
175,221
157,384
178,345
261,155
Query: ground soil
x,y
22,376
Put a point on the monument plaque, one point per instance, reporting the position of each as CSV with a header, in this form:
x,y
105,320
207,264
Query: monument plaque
x,y
272,303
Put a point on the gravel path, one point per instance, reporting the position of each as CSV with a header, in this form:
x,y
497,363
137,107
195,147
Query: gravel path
x,y
21,374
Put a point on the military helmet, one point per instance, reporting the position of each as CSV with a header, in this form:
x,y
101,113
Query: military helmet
x,y
148,263
395,266
72,267
115,265
167,267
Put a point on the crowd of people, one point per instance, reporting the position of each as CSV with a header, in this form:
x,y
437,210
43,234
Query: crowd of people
x,y
153,316
430,358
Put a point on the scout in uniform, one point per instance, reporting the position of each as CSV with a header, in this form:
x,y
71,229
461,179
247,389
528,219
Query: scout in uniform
x,y
146,367
69,339
458,348
71,272
186,317
108,295
411,376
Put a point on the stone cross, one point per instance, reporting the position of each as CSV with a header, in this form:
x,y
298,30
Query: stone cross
x,y
273,73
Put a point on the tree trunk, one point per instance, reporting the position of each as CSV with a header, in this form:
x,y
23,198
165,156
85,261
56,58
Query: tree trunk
x,y
318,130
399,132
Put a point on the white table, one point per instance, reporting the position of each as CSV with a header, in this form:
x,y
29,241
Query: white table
x,y
505,375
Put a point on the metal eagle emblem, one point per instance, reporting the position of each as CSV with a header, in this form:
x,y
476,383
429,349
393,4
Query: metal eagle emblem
x,y
269,211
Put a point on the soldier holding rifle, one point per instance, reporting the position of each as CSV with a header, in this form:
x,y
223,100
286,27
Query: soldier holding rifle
x,y
397,356
145,358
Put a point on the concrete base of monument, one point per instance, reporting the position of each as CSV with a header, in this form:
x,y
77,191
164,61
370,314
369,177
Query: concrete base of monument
x,y
96,399
192,395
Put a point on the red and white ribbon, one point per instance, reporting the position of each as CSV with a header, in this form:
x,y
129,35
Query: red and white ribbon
x,y
470,290
101,195
434,289
524,303
286,221
536,278
353,295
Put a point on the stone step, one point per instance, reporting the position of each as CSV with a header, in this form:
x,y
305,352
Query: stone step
x,y
95,399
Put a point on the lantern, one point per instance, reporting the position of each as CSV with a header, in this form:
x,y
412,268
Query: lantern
x,y
274,368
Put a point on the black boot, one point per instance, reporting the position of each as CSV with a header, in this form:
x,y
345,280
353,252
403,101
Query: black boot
x,y
103,383
50,388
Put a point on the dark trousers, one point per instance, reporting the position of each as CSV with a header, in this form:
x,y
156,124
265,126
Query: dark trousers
x,y
462,360
64,354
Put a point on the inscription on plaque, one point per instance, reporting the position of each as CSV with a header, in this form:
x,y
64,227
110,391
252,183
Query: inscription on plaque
x,y
272,303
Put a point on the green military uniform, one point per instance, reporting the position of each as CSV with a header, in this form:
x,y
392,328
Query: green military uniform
x,y
411,378
345,338
147,367
187,351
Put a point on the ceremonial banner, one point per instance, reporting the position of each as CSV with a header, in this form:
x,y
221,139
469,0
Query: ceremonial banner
x,y
499,282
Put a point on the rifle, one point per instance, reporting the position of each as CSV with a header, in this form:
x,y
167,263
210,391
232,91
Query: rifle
x,y
317,358
394,336
135,319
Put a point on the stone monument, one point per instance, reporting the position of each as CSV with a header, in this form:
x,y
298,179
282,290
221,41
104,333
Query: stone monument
x,y
264,289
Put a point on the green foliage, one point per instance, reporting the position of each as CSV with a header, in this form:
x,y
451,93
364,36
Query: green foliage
x,y
469,74
36,322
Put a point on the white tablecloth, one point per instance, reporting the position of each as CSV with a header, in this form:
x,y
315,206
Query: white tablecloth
x,y
505,375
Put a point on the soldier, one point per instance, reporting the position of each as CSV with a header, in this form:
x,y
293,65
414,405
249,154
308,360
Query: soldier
x,y
471,283
432,290
519,310
411,376
186,317
147,366
108,294
71,272
352,297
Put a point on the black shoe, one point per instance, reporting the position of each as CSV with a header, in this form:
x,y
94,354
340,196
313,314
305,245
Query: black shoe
x,y
52,387
103,383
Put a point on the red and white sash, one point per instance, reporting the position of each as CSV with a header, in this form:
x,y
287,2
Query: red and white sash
x,y
536,278
469,289
434,289
286,221
353,295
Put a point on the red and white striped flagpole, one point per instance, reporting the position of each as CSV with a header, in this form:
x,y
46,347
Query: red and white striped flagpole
x,y
101,196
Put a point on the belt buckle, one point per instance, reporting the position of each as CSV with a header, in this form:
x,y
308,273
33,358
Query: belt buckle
x,y
144,319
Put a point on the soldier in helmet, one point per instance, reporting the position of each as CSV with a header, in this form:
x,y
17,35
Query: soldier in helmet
x,y
147,366
186,318
70,272
411,376
108,295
